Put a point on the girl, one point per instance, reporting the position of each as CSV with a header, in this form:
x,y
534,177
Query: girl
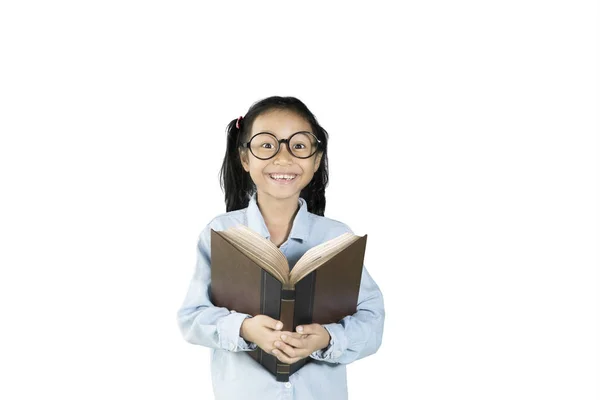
x,y
274,176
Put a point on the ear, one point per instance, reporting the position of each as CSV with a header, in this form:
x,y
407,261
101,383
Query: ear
x,y
318,161
244,159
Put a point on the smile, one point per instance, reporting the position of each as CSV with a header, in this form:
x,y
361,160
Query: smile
x,y
283,178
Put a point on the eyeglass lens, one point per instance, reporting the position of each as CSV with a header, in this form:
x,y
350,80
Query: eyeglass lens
x,y
265,145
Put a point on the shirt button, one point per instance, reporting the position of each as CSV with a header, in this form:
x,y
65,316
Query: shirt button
x,y
288,385
231,346
336,354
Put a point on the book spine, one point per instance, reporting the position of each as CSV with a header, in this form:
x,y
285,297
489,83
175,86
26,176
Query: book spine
x,y
269,305
286,316
303,310
288,300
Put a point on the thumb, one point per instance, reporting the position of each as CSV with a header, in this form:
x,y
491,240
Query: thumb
x,y
305,329
310,329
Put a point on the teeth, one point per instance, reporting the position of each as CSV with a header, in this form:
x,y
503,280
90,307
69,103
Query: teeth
x,y
287,177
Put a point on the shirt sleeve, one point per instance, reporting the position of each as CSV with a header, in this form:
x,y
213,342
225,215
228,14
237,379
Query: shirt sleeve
x,y
199,320
359,335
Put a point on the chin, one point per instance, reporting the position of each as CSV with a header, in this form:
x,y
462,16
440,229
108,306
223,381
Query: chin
x,y
281,194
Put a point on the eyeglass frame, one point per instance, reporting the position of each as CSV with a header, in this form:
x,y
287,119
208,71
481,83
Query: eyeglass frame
x,y
279,142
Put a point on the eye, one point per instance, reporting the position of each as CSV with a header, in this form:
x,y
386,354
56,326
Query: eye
x,y
266,144
299,146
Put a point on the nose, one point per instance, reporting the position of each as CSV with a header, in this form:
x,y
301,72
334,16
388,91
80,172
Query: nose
x,y
283,156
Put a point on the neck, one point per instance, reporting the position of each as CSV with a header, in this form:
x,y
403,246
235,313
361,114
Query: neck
x,y
277,213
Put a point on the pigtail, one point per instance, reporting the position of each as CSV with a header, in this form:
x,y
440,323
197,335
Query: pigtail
x,y
235,181
314,192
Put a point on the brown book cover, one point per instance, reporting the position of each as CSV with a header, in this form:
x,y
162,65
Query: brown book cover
x,y
250,275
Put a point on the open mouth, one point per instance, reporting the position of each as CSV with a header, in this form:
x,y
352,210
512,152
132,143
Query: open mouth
x,y
283,178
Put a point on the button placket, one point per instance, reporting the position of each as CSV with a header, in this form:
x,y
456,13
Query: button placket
x,y
287,392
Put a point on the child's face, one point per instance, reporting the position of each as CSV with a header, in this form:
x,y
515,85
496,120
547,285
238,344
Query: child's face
x,y
282,124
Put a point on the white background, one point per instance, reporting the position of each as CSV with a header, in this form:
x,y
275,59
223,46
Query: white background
x,y
463,141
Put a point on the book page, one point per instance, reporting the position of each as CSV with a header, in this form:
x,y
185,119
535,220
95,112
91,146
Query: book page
x,y
262,258
319,255
273,250
262,251
264,262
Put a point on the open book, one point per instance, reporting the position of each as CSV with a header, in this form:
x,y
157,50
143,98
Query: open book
x,y
249,274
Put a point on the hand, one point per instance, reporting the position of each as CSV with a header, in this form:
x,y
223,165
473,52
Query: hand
x,y
294,346
262,330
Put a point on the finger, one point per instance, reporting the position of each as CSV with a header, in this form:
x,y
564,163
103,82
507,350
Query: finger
x,y
285,359
271,323
308,329
285,348
294,340
295,335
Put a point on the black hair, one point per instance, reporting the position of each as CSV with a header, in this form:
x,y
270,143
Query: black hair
x,y
236,182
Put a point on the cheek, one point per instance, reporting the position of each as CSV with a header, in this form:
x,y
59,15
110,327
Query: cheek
x,y
256,169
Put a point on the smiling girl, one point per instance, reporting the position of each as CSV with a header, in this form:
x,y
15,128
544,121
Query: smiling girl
x,y
274,176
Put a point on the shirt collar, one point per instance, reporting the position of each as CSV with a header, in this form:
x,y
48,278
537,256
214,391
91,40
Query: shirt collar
x,y
256,221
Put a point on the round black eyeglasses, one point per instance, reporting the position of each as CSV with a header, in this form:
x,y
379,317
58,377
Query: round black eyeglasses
x,y
265,145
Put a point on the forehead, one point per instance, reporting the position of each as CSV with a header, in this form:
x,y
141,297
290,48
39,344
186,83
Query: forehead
x,y
282,123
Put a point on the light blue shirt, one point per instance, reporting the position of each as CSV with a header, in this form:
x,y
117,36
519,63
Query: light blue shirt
x,y
235,375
